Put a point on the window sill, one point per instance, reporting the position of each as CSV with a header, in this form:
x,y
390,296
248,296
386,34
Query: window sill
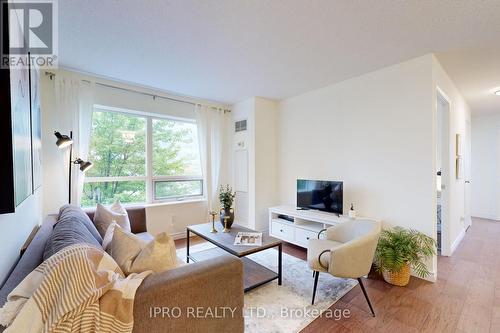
x,y
175,202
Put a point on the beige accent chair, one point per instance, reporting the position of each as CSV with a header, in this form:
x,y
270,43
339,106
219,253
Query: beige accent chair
x,y
346,252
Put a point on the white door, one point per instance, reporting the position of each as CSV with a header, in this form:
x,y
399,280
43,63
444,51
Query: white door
x,y
467,174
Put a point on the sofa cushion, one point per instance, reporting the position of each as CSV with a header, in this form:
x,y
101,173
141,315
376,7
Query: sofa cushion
x,y
135,255
145,236
108,237
104,217
73,212
136,216
68,230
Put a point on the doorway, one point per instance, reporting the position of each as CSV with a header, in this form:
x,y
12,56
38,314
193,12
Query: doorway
x,y
442,172
467,175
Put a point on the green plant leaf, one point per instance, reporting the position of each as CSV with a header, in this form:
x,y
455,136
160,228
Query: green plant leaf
x,y
399,246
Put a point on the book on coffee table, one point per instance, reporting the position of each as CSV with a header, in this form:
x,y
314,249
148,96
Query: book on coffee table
x,y
248,239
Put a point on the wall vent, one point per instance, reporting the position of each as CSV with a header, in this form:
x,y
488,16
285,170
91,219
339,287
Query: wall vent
x,y
240,126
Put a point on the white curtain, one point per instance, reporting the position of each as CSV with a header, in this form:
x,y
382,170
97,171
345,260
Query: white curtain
x,y
74,105
211,136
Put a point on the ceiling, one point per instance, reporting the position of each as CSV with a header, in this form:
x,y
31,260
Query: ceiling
x,y
227,50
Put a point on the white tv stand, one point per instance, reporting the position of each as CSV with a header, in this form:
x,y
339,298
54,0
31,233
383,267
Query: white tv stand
x,y
305,224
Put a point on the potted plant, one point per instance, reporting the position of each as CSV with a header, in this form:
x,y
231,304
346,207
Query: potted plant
x,y
400,249
226,198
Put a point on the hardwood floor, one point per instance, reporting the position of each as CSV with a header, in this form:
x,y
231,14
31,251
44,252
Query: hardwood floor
x,y
465,298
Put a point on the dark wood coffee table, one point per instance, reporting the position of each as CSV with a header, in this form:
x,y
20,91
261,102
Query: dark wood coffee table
x,y
254,274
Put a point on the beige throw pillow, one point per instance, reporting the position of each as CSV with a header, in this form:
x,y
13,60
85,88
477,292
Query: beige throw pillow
x,y
104,217
135,255
108,236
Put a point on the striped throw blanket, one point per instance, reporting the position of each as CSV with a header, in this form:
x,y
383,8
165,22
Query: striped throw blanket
x,y
79,289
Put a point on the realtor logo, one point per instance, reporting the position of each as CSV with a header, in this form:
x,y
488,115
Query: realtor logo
x,y
31,29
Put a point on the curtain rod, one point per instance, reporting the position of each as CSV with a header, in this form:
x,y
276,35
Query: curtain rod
x,y
51,75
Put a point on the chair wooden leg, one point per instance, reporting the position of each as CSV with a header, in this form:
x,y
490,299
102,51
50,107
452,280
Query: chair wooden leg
x,y
316,277
366,296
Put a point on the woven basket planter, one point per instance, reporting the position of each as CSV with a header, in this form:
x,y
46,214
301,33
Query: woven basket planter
x,y
401,278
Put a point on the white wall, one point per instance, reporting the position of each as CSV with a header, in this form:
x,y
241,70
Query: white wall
x,y
260,143
244,143
266,160
15,229
459,115
486,166
55,178
169,217
376,133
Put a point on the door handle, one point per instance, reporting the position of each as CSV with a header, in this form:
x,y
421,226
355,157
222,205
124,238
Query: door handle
x,y
467,182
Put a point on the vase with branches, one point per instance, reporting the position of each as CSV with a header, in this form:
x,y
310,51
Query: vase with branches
x,y
226,198
400,250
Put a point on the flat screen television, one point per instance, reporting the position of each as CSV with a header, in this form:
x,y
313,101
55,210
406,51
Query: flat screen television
x,y
321,195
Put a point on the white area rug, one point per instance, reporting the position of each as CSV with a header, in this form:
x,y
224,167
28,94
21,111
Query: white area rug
x,y
286,308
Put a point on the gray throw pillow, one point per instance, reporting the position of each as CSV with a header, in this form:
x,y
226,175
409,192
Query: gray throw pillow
x,y
73,212
70,229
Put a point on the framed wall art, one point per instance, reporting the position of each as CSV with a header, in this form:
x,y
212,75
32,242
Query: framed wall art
x,y
458,157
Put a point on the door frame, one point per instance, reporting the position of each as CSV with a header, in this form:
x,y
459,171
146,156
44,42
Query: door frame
x,y
446,169
467,174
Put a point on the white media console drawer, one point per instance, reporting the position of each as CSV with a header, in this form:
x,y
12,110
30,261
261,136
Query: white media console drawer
x,y
291,233
282,230
302,236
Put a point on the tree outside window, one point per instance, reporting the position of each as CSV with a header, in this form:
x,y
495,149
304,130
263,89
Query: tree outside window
x,y
122,170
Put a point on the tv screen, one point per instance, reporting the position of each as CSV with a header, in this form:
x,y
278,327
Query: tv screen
x,y
320,195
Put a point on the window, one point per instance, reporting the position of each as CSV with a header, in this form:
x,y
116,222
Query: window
x,y
176,160
141,159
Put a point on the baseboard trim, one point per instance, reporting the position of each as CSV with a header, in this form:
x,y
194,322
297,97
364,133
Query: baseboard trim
x,y
487,217
431,278
180,235
457,241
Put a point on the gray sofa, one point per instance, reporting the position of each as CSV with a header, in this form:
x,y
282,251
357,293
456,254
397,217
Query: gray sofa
x,y
213,285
